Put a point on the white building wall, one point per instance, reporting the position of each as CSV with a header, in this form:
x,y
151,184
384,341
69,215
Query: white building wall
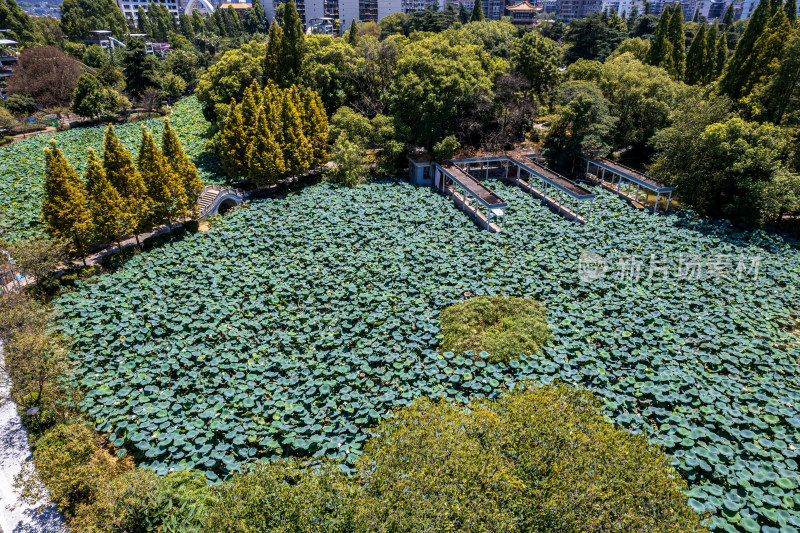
x,y
130,8
314,9
348,12
387,7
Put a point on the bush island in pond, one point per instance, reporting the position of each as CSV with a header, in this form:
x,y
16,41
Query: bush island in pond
x,y
293,326
506,327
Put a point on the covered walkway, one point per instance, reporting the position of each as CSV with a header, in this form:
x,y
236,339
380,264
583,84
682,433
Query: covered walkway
x,y
470,195
621,179
562,194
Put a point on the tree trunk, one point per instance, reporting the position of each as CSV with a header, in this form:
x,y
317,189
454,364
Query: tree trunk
x,y
137,241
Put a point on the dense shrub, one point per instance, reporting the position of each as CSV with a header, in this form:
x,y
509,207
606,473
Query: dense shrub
x,y
192,226
75,274
506,327
4,140
284,497
540,459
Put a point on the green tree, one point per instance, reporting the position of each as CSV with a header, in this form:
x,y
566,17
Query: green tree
x,y
497,37
349,163
234,142
164,186
477,12
791,10
329,69
141,69
722,56
255,19
581,124
143,21
18,24
273,59
264,163
352,33
660,53
229,77
635,45
125,178
438,80
779,99
728,18
183,167
65,206
79,17
89,99
187,26
463,14
297,153
105,203
677,38
294,46
768,51
696,58
315,125
739,67
593,37
537,58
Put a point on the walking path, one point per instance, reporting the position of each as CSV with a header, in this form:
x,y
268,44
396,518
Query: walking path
x,y
14,451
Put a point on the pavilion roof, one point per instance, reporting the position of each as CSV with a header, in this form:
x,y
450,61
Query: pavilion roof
x,y
524,6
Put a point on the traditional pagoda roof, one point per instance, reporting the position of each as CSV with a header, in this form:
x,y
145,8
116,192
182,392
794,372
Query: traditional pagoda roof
x,y
524,6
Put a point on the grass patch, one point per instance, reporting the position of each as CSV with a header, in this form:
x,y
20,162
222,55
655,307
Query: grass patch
x,y
504,326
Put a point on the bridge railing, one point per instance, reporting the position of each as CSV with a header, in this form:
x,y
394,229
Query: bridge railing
x,y
220,193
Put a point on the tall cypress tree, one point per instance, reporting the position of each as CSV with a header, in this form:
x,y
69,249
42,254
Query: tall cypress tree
x,y
183,167
104,203
722,56
728,19
791,10
463,14
273,60
123,176
477,12
294,48
297,154
768,50
660,52
781,94
677,38
352,34
710,67
255,19
251,103
316,124
696,58
143,21
164,187
65,207
234,143
265,163
737,72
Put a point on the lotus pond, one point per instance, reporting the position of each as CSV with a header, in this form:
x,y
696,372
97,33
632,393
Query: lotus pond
x,y
22,165
294,325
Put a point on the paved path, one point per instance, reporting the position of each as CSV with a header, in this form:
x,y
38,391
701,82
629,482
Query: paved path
x,y
14,451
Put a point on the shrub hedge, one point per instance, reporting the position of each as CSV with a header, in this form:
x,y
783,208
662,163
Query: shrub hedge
x,y
504,326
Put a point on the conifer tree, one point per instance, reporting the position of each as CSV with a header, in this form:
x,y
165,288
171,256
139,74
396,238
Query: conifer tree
x,y
727,19
316,124
297,154
710,68
164,187
767,51
233,143
737,71
781,95
463,15
791,10
264,158
352,34
774,6
477,12
183,167
722,55
123,176
660,52
696,58
294,46
272,106
256,19
104,203
251,103
273,60
65,207
677,38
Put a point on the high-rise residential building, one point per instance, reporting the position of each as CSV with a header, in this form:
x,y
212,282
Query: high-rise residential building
x,y
575,9
130,8
365,11
412,6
